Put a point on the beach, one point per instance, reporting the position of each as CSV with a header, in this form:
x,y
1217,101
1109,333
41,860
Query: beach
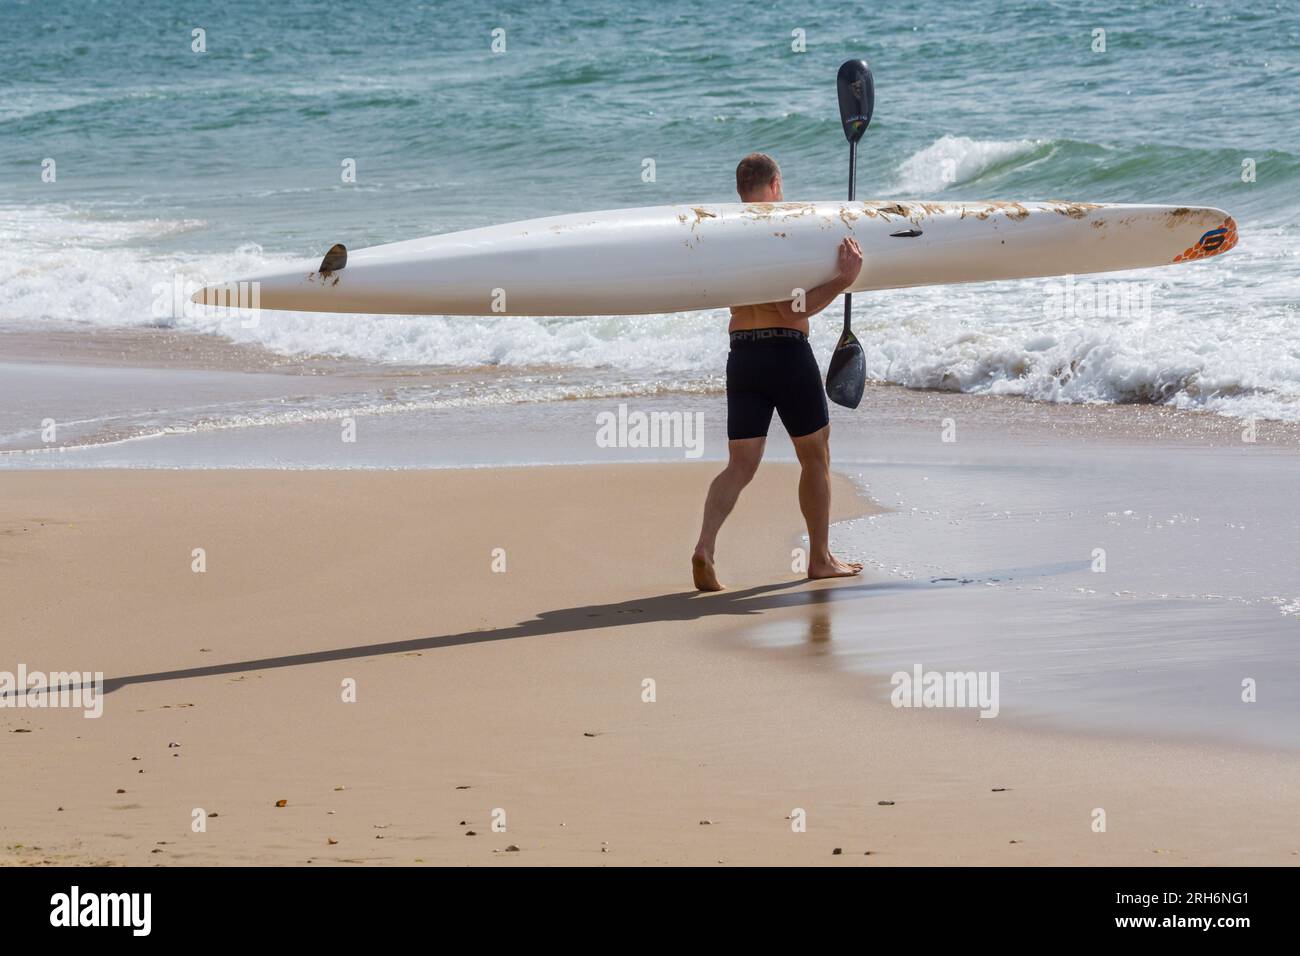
x,y
480,692
336,590
509,684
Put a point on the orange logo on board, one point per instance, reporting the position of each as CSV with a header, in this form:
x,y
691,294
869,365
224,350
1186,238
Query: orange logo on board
x,y
1212,243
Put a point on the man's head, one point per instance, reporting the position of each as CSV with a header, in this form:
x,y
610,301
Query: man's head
x,y
758,179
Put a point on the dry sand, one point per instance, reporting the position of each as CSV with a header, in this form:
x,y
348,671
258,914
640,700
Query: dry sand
x,y
519,691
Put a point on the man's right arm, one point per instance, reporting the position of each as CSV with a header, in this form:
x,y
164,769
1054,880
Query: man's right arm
x,y
849,264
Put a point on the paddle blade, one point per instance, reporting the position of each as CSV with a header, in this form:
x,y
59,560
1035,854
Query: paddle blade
x,y
857,98
846,376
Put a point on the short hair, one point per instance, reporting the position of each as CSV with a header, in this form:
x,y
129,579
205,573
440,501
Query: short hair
x,y
754,172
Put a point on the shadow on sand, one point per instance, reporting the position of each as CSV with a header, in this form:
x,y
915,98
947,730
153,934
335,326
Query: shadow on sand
x,y
680,606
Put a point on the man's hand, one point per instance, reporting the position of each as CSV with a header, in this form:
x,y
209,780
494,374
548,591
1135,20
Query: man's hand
x,y
850,262
847,267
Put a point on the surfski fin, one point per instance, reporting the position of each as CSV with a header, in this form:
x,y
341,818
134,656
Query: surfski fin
x,y
334,260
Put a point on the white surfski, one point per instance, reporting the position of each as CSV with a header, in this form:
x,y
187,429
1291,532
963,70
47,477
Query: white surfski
x,y
680,258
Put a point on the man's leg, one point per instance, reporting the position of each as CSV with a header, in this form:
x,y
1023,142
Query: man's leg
x,y
743,456
815,502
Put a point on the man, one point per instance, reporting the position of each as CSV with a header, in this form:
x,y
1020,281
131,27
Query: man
x,y
771,366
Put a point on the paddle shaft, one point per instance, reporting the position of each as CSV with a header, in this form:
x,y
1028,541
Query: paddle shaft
x,y
853,183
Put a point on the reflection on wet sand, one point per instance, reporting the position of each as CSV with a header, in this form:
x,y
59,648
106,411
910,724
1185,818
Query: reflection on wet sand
x,y
819,622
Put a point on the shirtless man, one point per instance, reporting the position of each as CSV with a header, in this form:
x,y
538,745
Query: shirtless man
x,y
771,367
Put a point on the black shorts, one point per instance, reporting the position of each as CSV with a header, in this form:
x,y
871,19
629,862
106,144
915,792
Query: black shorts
x,y
773,369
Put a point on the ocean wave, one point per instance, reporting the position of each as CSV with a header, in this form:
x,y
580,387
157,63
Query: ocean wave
x,y
1094,366
66,267
60,227
952,160
1220,336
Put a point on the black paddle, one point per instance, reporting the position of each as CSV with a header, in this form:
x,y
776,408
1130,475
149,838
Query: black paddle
x,y
846,377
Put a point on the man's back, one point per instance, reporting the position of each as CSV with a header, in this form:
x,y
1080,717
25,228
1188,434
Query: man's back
x,y
765,315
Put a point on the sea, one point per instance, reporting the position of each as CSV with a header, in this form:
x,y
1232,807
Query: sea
x,y
147,143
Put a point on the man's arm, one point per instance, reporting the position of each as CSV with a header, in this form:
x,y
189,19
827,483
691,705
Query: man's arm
x,y
817,298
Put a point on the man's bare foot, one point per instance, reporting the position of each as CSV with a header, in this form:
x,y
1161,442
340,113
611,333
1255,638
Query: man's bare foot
x,y
834,568
702,571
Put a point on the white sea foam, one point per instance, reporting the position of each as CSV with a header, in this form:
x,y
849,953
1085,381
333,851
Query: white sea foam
x,y
66,268
950,160
1219,338
19,104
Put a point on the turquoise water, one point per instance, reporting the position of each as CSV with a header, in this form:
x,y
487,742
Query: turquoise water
x,y
214,164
